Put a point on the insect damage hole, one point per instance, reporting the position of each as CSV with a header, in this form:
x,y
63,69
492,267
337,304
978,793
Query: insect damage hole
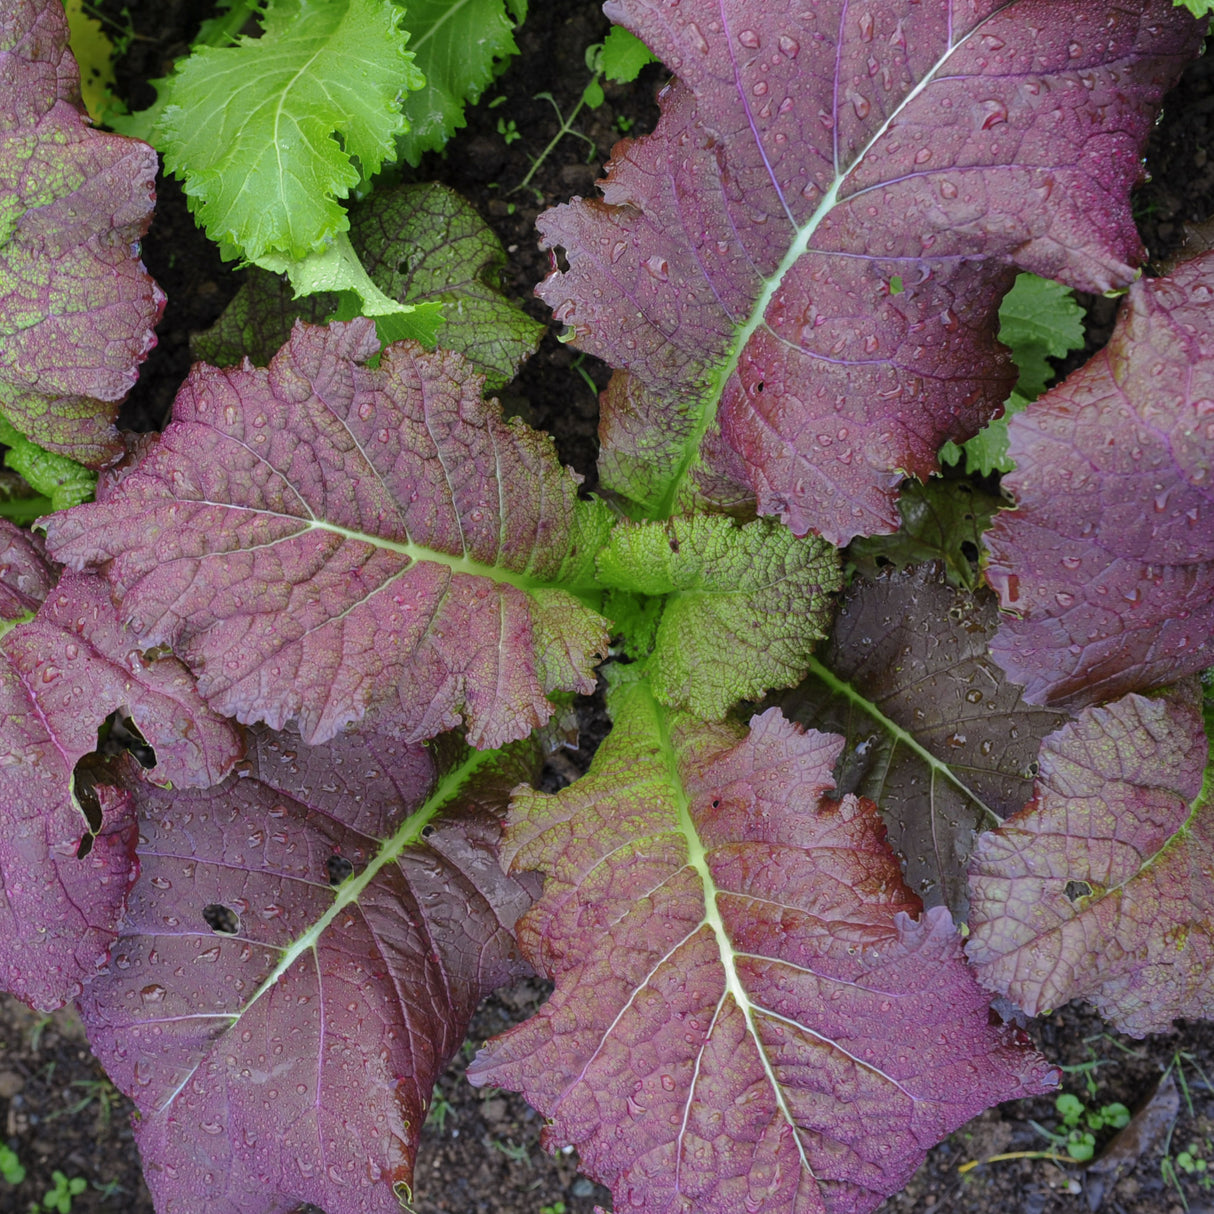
x,y
1076,890
338,868
221,919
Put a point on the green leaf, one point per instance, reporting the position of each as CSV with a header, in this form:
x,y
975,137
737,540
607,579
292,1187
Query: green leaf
x,y
942,520
62,480
1199,8
457,45
265,134
1039,320
420,244
338,269
624,54
744,606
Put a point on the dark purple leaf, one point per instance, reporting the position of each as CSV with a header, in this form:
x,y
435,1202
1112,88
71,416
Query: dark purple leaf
x,y
936,734
1108,558
746,1015
318,539
300,957
1101,888
799,273
78,307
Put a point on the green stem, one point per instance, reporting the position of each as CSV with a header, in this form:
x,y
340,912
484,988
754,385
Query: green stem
x,y
566,128
839,687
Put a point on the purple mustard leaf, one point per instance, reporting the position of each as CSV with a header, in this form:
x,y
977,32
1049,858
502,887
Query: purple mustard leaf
x,y
300,957
58,912
77,308
25,576
319,538
1108,558
1101,888
81,665
936,734
798,274
747,1014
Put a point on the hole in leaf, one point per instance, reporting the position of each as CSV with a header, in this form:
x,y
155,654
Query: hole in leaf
x,y
1077,889
221,919
760,385
560,260
969,550
339,868
86,845
427,831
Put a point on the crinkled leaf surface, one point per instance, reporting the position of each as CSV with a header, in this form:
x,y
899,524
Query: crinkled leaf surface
x,y
1101,888
77,308
58,914
936,734
319,538
301,955
743,606
1108,558
264,133
457,46
81,664
801,268
746,1015
420,244
942,520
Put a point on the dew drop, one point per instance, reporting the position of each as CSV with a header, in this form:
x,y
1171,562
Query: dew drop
x,y
789,46
152,994
657,267
948,189
749,39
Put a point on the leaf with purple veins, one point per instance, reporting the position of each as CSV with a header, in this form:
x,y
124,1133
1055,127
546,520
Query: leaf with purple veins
x,y
321,539
798,275
747,1013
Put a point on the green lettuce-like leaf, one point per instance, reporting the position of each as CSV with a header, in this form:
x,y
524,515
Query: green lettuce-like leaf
x,y
1199,8
624,55
744,606
457,45
421,245
265,134
1039,319
62,481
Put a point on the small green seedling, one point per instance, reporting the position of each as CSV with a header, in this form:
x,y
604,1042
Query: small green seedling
x,y
59,1199
11,1168
508,130
1081,1125
557,1207
440,1109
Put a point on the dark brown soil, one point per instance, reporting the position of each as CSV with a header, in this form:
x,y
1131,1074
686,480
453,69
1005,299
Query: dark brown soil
x,y
480,1152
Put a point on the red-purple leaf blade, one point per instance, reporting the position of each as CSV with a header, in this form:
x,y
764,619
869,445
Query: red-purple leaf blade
x,y
81,665
799,273
58,913
319,539
1109,556
746,1016
77,308
1101,888
300,958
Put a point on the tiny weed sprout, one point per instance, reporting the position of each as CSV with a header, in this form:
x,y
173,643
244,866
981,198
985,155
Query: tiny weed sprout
x,y
11,1168
901,640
